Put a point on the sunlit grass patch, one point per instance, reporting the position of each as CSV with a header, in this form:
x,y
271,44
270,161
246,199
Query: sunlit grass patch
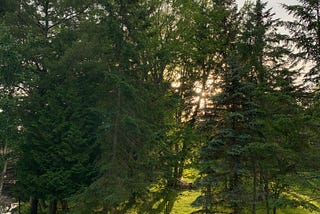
x,y
184,201
190,175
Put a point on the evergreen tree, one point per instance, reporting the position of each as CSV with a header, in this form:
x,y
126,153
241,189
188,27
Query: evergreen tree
x,y
132,95
85,94
260,75
275,90
55,121
305,34
260,54
201,43
224,157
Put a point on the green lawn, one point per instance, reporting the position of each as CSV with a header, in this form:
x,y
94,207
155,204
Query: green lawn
x,y
183,203
185,199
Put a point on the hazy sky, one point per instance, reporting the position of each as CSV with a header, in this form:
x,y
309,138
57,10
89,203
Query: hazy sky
x,y
275,5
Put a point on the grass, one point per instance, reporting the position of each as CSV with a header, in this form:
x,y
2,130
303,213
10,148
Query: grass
x,y
183,206
184,201
185,198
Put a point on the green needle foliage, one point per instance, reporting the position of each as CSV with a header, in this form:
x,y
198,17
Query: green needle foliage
x,y
305,34
224,158
104,104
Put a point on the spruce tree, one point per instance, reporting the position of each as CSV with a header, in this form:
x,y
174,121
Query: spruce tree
x,y
260,53
275,90
305,34
224,158
132,92
54,125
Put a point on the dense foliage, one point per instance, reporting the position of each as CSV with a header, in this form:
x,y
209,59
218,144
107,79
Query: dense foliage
x,y
105,104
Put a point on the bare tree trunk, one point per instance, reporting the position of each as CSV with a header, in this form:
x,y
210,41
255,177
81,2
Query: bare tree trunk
x,y
19,206
266,193
53,207
208,197
4,169
33,205
116,125
261,196
42,205
233,187
64,205
105,209
108,208
169,206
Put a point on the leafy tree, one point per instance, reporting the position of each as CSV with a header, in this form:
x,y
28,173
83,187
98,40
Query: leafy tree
x,y
10,79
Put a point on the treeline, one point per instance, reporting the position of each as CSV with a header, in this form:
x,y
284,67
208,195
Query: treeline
x,y
105,103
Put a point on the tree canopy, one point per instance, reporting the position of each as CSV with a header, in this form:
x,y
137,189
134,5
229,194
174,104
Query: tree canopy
x,y
105,106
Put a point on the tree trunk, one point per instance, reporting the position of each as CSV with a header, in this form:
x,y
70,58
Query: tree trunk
x,y
106,208
33,205
42,205
254,199
208,200
234,186
4,169
266,193
261,196
169,206
274,210
116,125
53,207
64,205
19,206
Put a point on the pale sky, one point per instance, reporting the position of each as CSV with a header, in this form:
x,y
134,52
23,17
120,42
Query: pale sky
x,y
276,7
279,13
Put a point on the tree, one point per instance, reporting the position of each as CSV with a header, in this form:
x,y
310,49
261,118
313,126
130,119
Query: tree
x,y
109,101
242,148
305,34
276,91
9,92
56,118
224,158
131,105
261,54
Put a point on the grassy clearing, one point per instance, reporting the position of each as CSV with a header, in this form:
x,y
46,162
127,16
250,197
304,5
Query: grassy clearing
x,y
183,206
183,203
